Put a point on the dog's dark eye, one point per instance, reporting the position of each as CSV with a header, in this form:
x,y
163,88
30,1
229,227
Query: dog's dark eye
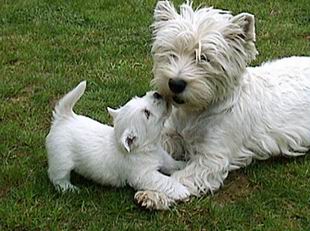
x,y
204,58
172,55
147,113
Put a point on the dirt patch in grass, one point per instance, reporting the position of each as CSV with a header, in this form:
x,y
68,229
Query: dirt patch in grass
x,y
24,95
14,61
236,187
4,191
19,99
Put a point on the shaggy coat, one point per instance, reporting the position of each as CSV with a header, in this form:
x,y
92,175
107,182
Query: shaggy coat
x,y
225,114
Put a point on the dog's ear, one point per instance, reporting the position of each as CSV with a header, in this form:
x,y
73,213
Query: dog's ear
x,y
246,22
113,112
129,140
164,11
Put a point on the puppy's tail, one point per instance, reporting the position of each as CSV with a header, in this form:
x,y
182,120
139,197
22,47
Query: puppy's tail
x,y
64,107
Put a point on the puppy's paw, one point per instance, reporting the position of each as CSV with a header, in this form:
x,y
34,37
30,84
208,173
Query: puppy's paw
x,y
66,187
153,200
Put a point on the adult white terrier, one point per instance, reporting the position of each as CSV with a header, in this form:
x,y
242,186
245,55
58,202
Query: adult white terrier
x,y
225,114
128,153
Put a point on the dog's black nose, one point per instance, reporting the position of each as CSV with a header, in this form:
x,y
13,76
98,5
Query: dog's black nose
x,y
157,95
177,85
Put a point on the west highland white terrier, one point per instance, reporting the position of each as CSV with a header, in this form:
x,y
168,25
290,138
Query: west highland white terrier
x,y
225,114
130,153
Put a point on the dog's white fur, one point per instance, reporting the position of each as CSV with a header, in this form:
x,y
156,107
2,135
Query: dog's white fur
x,y
228,114
130,153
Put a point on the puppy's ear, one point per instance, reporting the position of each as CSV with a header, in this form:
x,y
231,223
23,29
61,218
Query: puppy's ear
x,y
164,11
129,140
247,24
113,112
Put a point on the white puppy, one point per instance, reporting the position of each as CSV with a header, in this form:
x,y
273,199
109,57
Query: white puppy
x,y
226,114
129,153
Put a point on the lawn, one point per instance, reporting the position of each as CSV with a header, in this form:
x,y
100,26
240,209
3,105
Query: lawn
x,y
47,47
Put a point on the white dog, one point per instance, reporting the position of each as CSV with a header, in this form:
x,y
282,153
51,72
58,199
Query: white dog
x,y
128,153
225,114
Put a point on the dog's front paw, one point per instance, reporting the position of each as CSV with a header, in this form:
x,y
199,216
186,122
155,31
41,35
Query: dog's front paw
x,y
153,200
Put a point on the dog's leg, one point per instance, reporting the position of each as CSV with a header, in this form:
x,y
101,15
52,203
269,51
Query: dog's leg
x,y
168,189
59,174
203,174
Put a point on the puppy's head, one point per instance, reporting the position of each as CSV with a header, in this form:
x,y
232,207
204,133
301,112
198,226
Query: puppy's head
x,y
139,122
199,55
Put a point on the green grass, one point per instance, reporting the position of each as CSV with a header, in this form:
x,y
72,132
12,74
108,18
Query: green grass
x,y
47,47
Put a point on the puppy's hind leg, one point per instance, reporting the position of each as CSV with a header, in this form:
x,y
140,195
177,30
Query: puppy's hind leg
x,y
63,184
59,174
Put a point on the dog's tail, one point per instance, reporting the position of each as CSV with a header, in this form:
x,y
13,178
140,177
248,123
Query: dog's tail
x,y
64,107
